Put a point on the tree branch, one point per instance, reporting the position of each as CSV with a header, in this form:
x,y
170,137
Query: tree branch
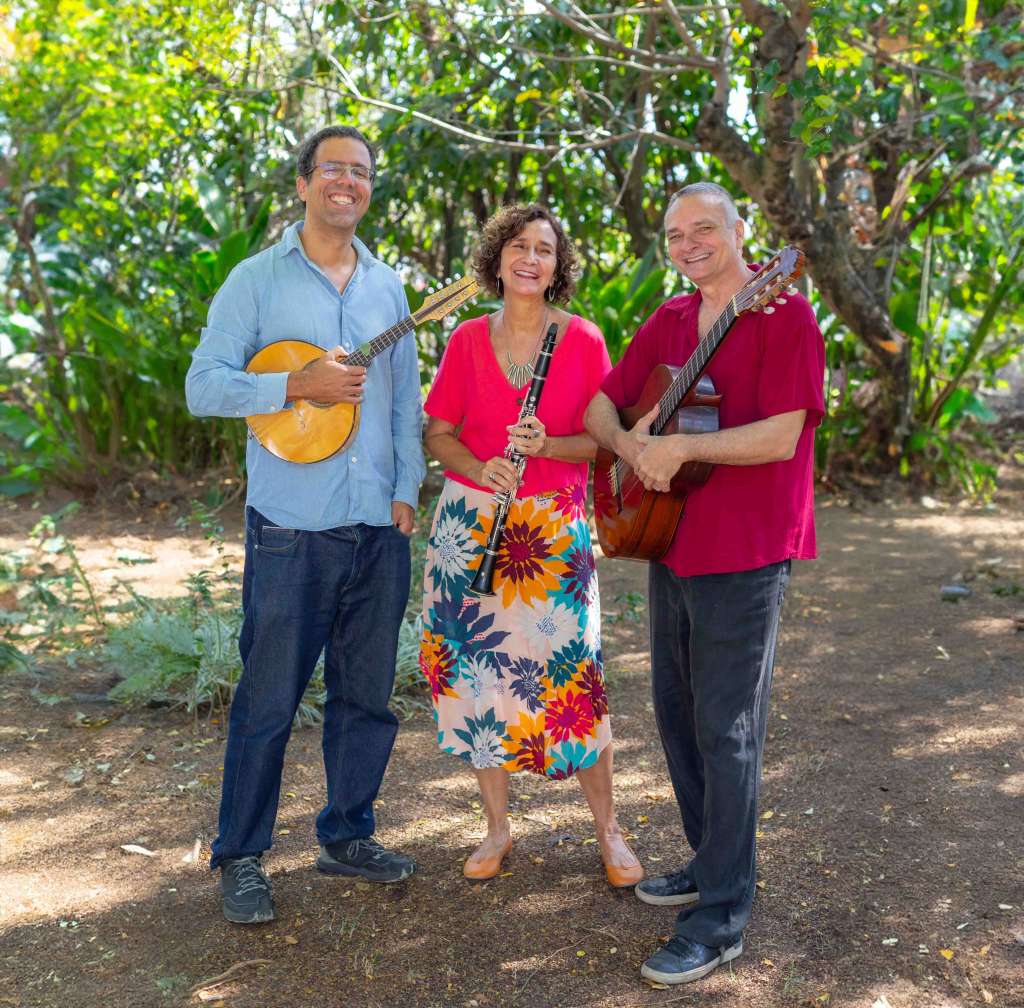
x,y
606,41
352,91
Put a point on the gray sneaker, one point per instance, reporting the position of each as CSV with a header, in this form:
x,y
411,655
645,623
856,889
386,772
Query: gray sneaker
x,y
245,891
683,960
668,890
365,858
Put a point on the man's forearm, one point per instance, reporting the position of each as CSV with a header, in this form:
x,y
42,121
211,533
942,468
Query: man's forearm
x,y
602,421
770,440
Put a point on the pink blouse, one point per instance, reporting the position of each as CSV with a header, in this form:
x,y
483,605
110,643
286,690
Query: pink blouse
x,y
470,390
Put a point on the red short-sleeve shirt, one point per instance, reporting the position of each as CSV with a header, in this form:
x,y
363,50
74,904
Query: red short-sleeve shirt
x,y
745,516
471,391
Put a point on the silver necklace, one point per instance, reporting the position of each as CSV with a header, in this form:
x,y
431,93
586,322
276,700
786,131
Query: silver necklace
x,y
519,374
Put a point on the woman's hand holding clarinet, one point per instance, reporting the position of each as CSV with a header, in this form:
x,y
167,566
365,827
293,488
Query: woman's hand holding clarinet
x,y
528,436
498,474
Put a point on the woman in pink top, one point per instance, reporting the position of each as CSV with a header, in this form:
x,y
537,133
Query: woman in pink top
x,y
516,678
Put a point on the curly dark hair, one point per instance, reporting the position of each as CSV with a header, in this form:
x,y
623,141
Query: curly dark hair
x,y
507,224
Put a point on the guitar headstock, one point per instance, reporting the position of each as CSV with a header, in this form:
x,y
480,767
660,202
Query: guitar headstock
x,y
768,283
443,302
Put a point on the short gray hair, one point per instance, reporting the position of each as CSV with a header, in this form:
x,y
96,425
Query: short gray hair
x,y
709,191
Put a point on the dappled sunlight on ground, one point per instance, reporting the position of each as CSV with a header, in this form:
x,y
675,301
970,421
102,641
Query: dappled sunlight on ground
x,y
893,768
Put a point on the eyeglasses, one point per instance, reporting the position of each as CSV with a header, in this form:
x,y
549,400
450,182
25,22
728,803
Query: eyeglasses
x,y
331,170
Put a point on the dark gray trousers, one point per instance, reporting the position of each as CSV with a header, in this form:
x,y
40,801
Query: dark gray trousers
x,y
712,650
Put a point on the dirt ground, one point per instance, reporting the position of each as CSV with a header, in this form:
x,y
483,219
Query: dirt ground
x,y
891,855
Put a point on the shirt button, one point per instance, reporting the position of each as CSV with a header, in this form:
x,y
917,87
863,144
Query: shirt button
x,y
354,460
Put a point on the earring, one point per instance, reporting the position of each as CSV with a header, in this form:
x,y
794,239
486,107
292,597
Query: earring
x,y
501,288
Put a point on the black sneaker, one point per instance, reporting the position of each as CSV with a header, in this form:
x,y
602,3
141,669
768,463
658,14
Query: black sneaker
x,y
668,890
365,858
245,890
683,960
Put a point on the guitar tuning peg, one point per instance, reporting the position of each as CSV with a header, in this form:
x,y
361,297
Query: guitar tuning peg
x,y
769,310
792,290
780,300
448,280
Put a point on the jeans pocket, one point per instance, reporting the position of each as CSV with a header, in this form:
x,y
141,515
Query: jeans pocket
x,y
277,541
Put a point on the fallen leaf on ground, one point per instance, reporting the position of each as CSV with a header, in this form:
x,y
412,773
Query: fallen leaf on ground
x,y
946,953
134,848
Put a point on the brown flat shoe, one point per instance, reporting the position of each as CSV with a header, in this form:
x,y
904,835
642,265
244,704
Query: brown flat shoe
x,y
621,878
489,867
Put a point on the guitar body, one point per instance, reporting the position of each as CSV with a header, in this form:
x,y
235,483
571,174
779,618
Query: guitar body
x,y
304,431
639,524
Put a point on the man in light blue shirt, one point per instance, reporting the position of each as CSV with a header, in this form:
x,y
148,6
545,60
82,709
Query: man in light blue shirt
x,y
326,551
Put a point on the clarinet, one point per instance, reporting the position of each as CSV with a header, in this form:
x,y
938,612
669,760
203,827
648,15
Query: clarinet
x,y
484,580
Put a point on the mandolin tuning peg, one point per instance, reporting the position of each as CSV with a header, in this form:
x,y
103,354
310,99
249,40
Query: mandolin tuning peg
x,y
769,310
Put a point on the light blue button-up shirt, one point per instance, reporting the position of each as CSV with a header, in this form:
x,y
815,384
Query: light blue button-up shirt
x,y
280,294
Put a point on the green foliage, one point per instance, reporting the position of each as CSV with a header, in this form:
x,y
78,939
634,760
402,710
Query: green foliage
x,y
51,600
145,149
620,304
184,653
127,199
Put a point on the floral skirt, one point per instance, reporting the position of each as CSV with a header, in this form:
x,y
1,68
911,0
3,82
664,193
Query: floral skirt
x,y
516,678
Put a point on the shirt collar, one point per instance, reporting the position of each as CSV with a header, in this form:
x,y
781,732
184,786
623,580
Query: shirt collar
x,y
290,242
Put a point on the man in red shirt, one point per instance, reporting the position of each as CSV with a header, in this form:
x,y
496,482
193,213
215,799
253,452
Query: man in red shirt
x,y
716,595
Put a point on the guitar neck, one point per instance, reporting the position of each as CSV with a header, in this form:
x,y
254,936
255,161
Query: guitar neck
x,y
363,354
689,374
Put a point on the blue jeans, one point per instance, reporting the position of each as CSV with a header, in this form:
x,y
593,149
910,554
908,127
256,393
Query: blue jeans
x,y
342,592
712,652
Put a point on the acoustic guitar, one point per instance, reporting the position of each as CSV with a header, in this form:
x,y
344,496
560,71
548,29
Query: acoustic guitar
x,y
640,524
309,431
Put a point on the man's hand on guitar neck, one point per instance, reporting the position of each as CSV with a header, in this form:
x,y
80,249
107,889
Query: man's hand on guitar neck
x,y
327,380
653,459
631,444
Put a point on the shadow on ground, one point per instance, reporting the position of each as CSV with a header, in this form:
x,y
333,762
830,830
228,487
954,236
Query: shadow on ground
x,y
890,858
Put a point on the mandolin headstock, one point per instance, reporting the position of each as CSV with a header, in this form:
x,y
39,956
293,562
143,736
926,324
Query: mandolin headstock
x,y
443,302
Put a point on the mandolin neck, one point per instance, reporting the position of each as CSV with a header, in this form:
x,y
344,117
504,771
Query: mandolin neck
x,y
363,354
689,374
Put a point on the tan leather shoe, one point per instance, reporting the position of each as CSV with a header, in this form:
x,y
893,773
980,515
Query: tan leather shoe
x,y
489,867
622,878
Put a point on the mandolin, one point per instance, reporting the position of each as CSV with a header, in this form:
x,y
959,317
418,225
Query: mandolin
x,y
640,524
308,431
